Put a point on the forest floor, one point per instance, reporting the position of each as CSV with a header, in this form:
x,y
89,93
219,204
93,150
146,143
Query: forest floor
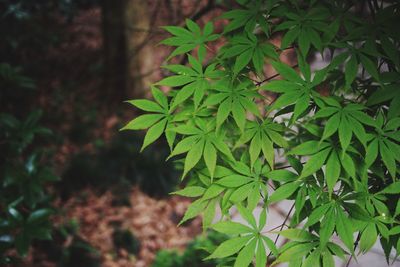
x,y
152,221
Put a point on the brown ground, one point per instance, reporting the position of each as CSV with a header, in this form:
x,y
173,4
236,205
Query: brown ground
x,y
152,221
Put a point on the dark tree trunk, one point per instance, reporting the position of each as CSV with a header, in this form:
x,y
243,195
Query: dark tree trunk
x,y
114,45
125,54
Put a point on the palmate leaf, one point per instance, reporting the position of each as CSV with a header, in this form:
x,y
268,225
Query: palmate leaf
x,y
294,89
261,256
235,100
207,202
157,122
190,38
143,122
281,175
355,57
388,158
194,81
244,183
384,144
346,121
325,153
251,15
202,142
255,242
313,259
248,49
302,243
262,137
304,28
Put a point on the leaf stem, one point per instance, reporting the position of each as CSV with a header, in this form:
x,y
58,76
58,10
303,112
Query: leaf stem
x,y
272,77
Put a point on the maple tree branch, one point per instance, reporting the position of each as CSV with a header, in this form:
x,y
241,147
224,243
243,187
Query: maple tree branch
x,y
273,76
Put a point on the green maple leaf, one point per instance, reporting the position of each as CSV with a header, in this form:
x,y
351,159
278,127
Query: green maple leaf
x,y
201,141
158,121
252,15
262,137
249,244
346,120
194,81
304,27
384,142
295,89
190,38
326,153
234,99
247,48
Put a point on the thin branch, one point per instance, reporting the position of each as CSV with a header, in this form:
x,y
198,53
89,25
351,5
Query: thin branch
x,y
287,48
270,230
282,225
267,79
285,167
355,246
376,5
371,8
272,77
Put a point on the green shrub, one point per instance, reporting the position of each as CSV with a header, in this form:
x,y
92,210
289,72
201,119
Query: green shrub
x,y
68,249
24,201
326,137
127,240
120,164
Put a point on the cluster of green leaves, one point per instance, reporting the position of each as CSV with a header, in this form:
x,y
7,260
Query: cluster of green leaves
x,y
25,204
194,253
329,139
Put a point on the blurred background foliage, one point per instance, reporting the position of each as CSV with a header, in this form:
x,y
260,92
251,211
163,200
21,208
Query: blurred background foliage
x,y
65,68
